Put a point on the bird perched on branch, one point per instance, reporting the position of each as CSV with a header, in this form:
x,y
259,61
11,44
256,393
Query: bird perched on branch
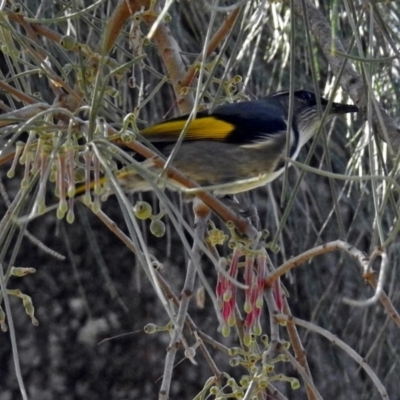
x,y
236,147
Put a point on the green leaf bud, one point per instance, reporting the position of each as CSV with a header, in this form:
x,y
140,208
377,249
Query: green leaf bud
x,y
142,210
157,228
294,384
150,328
68,42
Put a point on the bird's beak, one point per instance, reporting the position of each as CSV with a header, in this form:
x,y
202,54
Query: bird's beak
x,y
338,108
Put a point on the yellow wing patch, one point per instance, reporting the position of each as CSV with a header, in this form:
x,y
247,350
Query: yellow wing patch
x,y
205,128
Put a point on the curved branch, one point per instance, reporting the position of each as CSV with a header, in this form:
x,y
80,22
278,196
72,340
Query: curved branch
x,y
336,341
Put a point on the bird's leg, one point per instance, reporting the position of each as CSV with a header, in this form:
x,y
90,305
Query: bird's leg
x,y
244,210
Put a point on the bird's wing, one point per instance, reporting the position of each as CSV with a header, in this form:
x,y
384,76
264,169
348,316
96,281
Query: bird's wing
x,y
240,123
203,127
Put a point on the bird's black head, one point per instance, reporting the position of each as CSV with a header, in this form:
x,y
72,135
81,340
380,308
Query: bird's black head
x,y
306,117
306,100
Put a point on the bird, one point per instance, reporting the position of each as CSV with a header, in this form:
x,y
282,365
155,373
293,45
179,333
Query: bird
x,y
236,147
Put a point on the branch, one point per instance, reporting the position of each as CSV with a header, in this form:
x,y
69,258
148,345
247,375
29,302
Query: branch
x,y
212,45
336,341
168,47
362,259
300,352
316,251
201,220
226,214
350,80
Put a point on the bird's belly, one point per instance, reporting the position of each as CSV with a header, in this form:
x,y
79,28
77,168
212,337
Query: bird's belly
x,y
244,185
225,170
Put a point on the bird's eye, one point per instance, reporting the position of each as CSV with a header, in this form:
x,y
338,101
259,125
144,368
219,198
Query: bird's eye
x,y
307,97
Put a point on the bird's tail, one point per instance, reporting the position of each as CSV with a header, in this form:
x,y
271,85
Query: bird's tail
x,y
139,178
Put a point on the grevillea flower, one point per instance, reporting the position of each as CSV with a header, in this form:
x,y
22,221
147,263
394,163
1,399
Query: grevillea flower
x,y
255,279
254,275
226,292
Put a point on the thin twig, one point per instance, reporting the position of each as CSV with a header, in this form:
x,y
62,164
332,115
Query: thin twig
x,y
316,251
194,329
300,352
336,341
350,81
201,219
379,286
212,45
312,391
168,48
14,346
384,299
226,214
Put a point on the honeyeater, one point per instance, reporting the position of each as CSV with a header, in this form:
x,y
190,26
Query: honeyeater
x,y
237,147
